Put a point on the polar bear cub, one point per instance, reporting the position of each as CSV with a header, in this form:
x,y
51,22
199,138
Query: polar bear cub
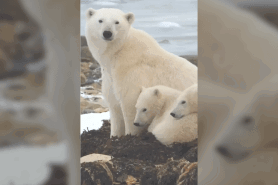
x,y
187,103
181,123
154,107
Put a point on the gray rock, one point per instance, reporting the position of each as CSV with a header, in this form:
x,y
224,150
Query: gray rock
x,y
86,56
191,58
83,41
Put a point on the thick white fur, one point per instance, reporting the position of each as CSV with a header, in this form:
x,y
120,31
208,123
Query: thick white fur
x,y
131,60
231,42
184,128
158,102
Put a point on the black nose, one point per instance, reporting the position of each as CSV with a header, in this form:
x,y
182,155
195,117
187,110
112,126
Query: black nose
x,y
136,124
224,151
172,114
107,34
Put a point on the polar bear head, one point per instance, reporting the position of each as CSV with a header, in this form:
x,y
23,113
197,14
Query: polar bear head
x,y
254,126
186,103
148,105
108,24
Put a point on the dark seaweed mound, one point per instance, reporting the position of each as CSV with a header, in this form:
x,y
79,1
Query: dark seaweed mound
x,y
142,157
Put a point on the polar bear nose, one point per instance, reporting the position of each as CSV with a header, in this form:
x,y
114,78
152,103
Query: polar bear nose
x,y
224,151
136,124
173,114
107,34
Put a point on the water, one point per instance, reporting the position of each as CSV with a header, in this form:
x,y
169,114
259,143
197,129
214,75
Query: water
x,y
173,23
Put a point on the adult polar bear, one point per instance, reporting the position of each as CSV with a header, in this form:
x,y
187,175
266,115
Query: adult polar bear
x,y
130,59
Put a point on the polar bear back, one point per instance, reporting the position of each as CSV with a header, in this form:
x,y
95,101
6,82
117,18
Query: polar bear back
x,y
141,54
180,131
185,129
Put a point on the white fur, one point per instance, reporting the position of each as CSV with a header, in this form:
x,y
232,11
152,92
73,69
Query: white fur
x,y
130,60
154,106
231,43
184,128
186,103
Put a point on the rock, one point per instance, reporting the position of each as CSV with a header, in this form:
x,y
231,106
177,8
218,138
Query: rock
x,y
191,58
92,92
101,110
97,85
83,78
96,74
95,157
94,65
86,56
96,173
87,105
83,41
165,41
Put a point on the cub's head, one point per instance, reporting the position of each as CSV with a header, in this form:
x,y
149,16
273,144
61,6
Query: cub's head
x,y
186,103
108,24
148,106
254,126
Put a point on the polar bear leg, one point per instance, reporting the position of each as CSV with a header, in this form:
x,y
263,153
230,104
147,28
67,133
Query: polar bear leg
x,y
129,112
116,115
117,121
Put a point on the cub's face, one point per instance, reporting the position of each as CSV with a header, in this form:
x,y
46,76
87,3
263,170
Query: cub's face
x,y
186,103
107,25
147,107
253,129
180,109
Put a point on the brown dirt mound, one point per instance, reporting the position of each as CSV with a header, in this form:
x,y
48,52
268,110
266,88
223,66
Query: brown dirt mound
x,y
141,157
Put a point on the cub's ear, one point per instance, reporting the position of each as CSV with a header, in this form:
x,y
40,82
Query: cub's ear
x,y
142,89
90,12
156,92
130,17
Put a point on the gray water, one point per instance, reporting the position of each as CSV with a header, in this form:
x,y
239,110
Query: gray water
x,y
173,23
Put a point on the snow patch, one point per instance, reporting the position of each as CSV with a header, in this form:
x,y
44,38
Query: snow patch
x,y
29,164
93,121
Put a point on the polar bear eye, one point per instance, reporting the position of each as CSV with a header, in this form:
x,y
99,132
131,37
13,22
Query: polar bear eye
x,y
247,120
117,22
144,110
183,102
100,21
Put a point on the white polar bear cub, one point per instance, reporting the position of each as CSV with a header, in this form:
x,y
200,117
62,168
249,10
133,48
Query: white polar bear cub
x,y
154,106
181,123
130,59
187,103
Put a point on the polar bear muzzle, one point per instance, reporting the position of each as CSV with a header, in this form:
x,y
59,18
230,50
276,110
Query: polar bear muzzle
x,y
107,35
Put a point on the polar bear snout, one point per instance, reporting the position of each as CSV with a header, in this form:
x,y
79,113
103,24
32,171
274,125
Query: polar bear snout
x,y
232,153
224,151
137,124
107,35
176,115
173,114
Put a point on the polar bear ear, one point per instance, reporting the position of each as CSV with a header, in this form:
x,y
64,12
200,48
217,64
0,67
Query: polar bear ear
x,y
90,12
130,17
156,92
